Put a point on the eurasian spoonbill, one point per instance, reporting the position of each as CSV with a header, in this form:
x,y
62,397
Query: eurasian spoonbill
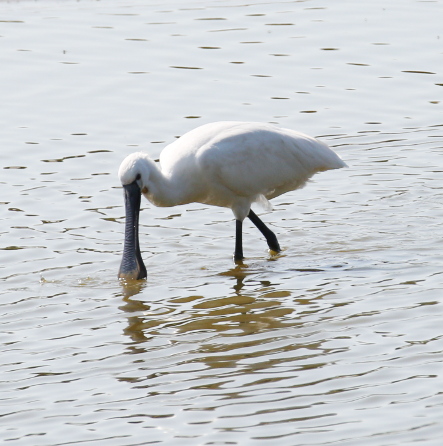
x,y
230,164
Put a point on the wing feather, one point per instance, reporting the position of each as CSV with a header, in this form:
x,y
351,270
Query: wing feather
x,y
257,159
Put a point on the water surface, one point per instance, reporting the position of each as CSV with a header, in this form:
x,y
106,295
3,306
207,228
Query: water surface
x,y
335,341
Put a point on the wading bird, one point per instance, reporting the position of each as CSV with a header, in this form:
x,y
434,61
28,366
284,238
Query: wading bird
x,y
230,164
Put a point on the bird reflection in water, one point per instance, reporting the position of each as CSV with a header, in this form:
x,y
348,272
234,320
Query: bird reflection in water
x,y
247,311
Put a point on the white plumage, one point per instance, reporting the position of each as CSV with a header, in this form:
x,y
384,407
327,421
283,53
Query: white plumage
x,y
230,164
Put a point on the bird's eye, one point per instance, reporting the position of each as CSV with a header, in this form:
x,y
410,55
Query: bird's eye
x,y
138,177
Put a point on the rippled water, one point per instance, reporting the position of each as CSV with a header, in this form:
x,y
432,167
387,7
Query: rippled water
x,y
335,341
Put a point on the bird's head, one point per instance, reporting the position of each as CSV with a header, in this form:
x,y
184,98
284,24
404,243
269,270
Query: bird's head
x,y
136,168
134,176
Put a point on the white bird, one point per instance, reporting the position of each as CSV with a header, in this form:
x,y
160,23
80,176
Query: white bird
x,y
230,164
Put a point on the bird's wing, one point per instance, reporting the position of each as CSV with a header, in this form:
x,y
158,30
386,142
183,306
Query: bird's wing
x,y
265,162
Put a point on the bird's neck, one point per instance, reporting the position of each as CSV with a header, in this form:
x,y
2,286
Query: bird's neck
x,y
162,189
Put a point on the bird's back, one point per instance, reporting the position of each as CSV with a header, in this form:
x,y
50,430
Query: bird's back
x,y
247,159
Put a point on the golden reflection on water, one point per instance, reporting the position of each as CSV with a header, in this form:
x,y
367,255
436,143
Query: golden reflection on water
x,y
224,314
245,333
241,317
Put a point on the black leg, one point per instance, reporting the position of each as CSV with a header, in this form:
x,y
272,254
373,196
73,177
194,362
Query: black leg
x,y
238,254
269,235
